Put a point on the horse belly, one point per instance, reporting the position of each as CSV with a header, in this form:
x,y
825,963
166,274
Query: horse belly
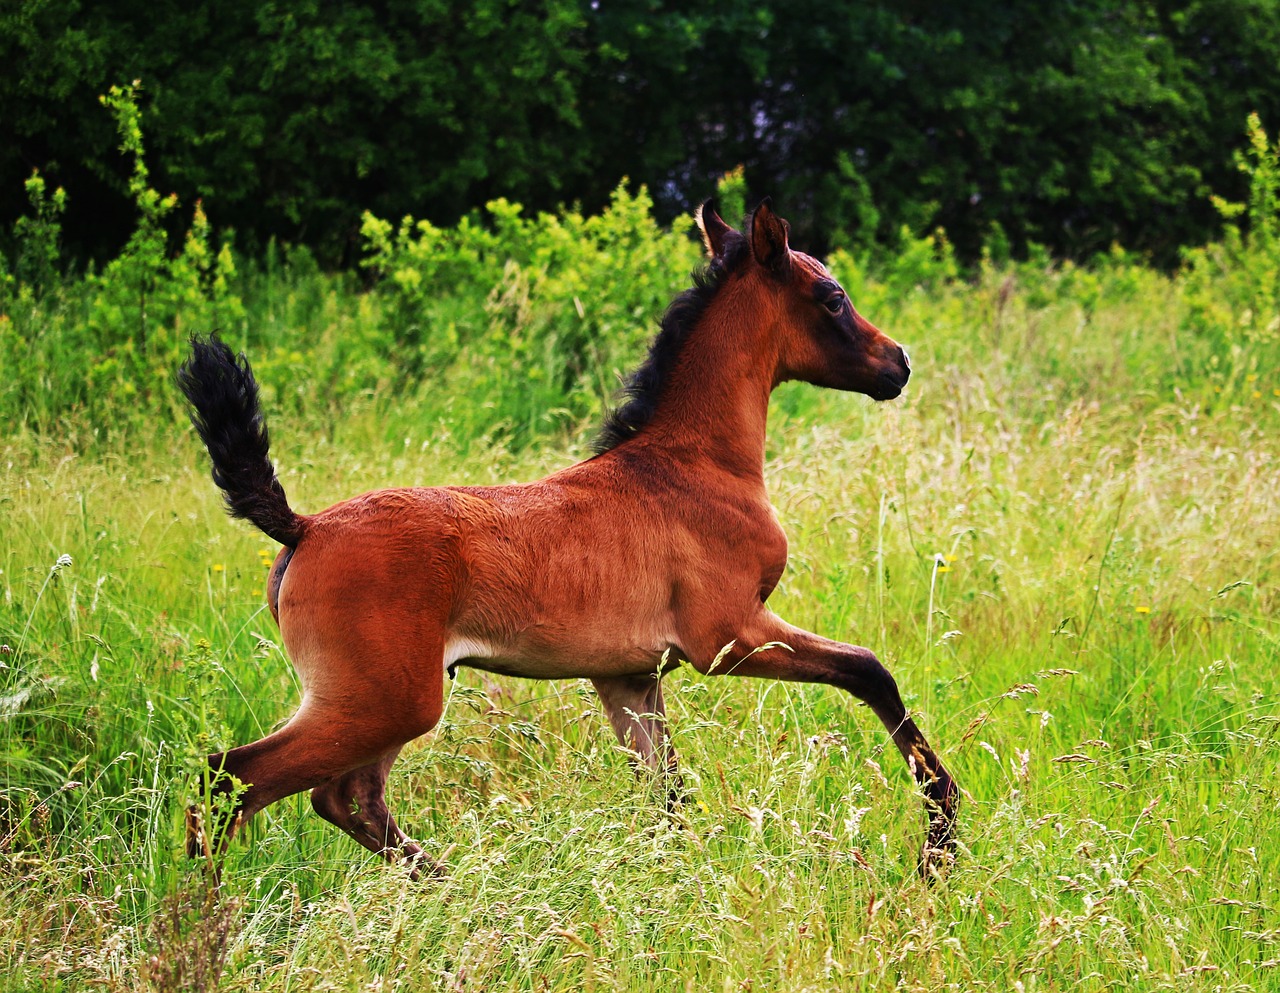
x,y
565,601
512,661
566,644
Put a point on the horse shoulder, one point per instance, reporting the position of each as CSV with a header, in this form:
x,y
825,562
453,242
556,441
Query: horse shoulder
x,y
756,538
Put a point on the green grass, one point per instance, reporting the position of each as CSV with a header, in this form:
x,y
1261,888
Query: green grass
x,y
1063,540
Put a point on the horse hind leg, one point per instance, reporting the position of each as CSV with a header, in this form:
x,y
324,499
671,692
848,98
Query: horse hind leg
x,y
368,645
638,715
356,803
319,746
244,780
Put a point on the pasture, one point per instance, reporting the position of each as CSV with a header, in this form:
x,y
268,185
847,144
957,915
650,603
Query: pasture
x,y
1063,540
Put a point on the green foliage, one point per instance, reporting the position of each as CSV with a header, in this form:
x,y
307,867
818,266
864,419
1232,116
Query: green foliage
x,y
731,196
129,280
38,236
292,119
1069,125
532,319
123,318
1233,286
117,334
518,325
847,206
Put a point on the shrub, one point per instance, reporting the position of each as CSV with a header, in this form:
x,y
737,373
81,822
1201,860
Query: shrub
x,y
1233,286
565,303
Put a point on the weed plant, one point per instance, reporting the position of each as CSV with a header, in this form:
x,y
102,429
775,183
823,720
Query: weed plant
x,y
1063,540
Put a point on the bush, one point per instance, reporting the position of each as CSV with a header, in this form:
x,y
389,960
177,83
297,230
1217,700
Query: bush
x,y
532,318
1233,286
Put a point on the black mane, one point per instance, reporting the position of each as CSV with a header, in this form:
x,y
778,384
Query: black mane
x,y
642,390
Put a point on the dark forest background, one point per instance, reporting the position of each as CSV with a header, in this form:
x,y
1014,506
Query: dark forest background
x,y
1070,124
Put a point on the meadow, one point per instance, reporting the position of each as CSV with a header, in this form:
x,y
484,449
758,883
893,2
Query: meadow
x,y
1063,540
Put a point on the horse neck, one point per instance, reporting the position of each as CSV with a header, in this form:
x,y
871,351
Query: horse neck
x,y
716,402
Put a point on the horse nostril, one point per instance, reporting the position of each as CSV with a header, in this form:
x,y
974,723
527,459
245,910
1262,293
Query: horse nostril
x,y
906,360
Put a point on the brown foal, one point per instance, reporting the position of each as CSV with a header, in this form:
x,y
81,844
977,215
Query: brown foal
x,y
662,547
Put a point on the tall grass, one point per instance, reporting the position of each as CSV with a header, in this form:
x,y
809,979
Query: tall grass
x,y
1063,540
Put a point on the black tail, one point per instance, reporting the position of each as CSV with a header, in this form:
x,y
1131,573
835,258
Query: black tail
x,y
225,411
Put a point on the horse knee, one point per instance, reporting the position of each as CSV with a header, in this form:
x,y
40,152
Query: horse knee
x,y
357,806
867,678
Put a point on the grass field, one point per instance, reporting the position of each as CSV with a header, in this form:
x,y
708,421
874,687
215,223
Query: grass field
x,y
1064,540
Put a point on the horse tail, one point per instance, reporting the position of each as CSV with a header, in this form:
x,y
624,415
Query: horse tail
x,y
226,413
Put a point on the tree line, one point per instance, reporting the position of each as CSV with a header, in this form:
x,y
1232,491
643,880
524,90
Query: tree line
x,y
1073,124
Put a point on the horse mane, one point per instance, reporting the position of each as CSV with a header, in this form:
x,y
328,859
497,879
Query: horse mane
x,y
642,390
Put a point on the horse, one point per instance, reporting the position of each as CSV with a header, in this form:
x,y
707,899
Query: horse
x,y
661,548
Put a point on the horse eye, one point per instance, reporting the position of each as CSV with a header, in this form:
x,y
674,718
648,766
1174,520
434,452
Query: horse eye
x,y
835,303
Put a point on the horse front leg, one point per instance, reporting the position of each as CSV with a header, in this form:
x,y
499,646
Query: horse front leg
x,y
638,716
759,651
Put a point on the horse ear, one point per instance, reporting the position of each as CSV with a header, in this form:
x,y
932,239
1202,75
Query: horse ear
x,y
715,232
769,239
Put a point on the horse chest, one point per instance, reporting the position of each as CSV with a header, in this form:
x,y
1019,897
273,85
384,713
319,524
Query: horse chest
x,y
746,551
